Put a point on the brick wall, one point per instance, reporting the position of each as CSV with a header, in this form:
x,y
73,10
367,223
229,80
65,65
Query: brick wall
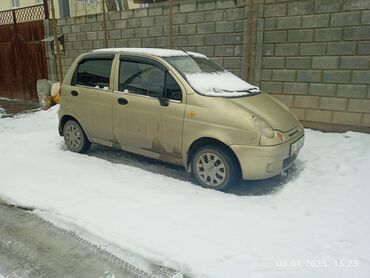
x,y
316,59
311,54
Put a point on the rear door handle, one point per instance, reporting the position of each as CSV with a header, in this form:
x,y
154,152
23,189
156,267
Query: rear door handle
x,y
74,93
122,101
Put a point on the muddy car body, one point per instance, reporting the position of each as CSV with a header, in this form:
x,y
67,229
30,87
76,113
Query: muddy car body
x,y
181,108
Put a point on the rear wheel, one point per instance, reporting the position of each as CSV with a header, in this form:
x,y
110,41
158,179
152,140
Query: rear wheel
x,y
75,138
214,167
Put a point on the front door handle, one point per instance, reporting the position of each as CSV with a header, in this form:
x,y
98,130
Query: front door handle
x,y
74,93
122,101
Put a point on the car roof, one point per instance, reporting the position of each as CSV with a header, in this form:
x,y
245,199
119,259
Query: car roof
x,y
160,52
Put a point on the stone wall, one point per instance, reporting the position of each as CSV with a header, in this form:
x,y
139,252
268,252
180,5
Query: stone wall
x,y
316,58
214,28
311,54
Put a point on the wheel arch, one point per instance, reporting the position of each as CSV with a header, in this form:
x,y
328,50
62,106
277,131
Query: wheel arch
x,y
204,141
63,121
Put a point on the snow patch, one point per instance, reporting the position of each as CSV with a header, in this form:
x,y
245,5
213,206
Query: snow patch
x,y
223,84
319,220
64,223
152,51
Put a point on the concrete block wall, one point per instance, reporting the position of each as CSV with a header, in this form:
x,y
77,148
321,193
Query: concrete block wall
x,y
213,27
312,55
316,59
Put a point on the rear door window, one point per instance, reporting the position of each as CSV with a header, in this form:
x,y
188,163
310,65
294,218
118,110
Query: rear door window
x,y
93,73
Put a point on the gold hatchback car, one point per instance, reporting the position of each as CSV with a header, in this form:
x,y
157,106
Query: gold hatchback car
x,y
181,108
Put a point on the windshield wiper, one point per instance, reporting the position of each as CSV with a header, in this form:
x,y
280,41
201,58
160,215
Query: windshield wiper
x,y
251,91
254,90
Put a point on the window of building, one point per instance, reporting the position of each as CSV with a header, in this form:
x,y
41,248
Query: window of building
x,y
14,3
90,2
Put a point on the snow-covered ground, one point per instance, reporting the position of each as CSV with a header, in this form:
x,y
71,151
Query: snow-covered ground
x,y
315,225
2,111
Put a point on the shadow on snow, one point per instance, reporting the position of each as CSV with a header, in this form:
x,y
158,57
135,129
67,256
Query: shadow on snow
x,y
244,188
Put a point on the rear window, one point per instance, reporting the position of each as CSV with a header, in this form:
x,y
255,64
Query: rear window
x,y
93,73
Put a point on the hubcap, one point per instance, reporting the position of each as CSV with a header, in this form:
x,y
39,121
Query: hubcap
x,y
211,169
73,137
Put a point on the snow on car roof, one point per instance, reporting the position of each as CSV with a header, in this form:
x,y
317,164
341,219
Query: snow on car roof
x,y
161,52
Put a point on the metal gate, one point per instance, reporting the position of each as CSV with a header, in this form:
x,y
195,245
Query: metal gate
x,y
22,53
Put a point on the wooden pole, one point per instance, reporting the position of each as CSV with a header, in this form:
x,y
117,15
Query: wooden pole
x,y
56,43
170,25
46,9
105,25
250,40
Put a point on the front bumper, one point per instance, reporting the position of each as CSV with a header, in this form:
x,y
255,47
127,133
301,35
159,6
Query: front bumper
x,y
262,162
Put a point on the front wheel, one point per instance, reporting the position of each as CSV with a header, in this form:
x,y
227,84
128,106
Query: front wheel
x,y
75,138
215,168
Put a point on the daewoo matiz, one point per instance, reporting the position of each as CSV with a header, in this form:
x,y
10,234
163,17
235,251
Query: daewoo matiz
x,y
179,107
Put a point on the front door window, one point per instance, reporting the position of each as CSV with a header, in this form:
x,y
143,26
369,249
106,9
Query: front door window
x,y
149,80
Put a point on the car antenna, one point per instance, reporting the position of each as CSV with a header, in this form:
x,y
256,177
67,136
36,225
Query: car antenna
x,y
184,51
191,56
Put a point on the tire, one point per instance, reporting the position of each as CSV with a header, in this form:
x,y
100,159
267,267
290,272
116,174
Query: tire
x,y
215,167
75,138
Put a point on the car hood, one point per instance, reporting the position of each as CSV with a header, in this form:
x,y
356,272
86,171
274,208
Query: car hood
x,y
266,107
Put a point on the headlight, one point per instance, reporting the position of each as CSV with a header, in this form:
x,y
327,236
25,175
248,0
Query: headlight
x,y
262,127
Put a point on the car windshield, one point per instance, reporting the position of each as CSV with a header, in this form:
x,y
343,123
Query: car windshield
x,y
191,64
209,79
